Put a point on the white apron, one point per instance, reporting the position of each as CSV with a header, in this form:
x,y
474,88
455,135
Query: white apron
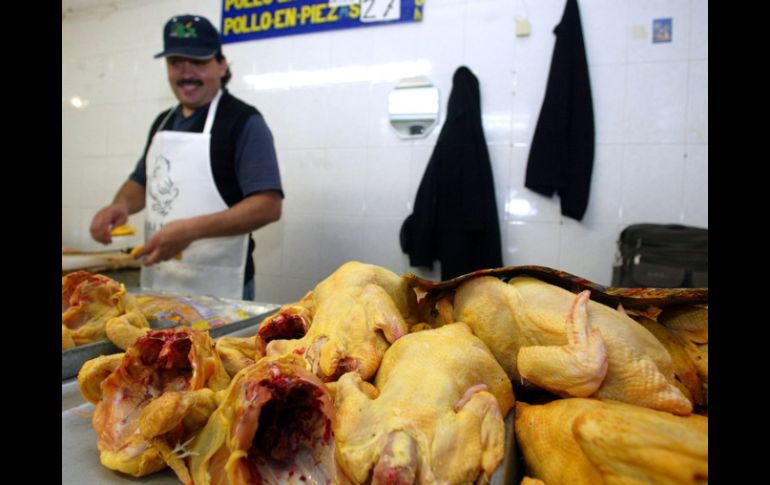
x,y
180,184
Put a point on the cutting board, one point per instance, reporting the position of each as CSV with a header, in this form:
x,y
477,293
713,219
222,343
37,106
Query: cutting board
x,y
94,262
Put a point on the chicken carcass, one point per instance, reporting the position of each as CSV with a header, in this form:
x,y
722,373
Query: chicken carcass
x,y
274,425
434,414
290,321
179,359
354,315
581,441
91,303
567,344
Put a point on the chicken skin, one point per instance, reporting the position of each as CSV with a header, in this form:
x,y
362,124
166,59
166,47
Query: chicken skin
x,y
350,319
580,441
434,414
238,353
179,359
568,344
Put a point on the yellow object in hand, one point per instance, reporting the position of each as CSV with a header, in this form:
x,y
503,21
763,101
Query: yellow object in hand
x,y
124,230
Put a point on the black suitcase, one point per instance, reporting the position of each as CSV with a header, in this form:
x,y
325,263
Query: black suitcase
x,y
662,256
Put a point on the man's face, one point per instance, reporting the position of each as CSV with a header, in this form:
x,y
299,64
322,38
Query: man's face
x,y
195,82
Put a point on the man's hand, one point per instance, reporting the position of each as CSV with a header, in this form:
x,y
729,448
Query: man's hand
x,y
167,243
129,200
104,220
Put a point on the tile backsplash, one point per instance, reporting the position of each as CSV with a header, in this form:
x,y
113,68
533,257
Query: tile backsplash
x,y
350,181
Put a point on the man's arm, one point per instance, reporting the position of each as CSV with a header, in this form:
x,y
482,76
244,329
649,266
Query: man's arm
x,y
248,215
129,200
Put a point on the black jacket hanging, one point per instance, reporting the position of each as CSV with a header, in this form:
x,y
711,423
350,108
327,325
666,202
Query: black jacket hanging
x,y
562,152
455,213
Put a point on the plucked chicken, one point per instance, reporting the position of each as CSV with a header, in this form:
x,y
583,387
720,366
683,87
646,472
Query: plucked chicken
x,y
179,359
274,426
568,344
91,303
434,414
580,441
354,315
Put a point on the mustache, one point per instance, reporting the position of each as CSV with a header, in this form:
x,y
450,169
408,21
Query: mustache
x,y
183,82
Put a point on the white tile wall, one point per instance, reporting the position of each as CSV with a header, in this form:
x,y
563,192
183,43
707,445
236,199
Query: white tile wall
x,y
605,200
656,102
608,82
698,102
350,181
696,188
699,32
652,180
531,243
584,247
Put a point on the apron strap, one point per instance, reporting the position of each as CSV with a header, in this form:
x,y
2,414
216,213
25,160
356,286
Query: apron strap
x,y
212,113
165,120
209,116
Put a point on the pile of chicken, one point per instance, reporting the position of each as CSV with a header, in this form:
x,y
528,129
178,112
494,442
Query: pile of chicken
x,y
623,391
95,307
359,383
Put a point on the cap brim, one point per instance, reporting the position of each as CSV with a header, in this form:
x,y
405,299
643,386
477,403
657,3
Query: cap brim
x,y
190,53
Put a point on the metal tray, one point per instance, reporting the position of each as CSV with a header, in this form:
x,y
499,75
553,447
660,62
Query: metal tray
x,y
80,457
72,359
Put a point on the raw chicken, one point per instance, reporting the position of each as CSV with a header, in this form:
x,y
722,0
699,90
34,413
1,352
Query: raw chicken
x,y
90,302
273,426
687,379
239,352
93,372
567,344
355,314
691,325
170,422
593,442
180,359
434,415
290,322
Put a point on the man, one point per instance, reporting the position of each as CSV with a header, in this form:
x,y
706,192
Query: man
x,y
208,177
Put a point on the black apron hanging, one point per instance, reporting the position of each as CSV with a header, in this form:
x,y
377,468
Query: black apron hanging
x,y
455,213
562,152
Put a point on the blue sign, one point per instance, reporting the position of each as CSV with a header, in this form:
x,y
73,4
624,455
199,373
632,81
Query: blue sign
x,y
260,19
661,30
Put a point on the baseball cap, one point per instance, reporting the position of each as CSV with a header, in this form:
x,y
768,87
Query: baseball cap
x,y
190,36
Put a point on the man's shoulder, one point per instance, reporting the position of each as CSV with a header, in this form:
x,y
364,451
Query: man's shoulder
x,y
236,105
158,120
